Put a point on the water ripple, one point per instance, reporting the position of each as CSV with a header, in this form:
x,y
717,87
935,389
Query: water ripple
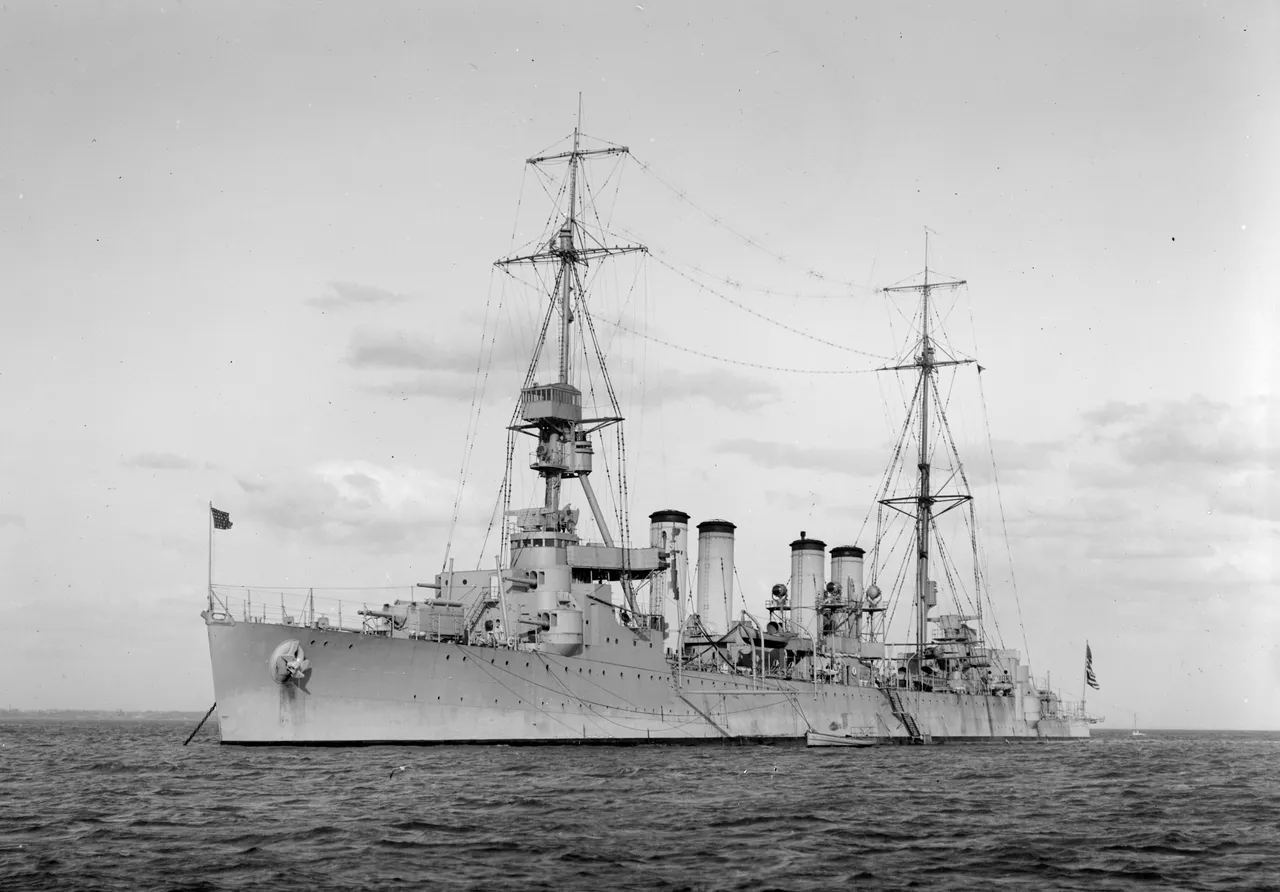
x,y
122,806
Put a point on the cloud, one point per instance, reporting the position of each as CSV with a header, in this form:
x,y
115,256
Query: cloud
x,y
397,350
1011,456
354,503
450,386
807,458
1195,445
1114,412
160,461
1254,494
443,369
345,295
1012,460
1195,432
252,486
722,388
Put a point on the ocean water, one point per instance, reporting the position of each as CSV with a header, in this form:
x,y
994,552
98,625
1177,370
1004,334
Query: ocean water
x,y
123,806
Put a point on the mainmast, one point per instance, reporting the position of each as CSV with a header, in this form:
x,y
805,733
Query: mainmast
x,y
925,499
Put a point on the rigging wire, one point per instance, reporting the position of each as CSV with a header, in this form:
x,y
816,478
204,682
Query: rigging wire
x,y
478,388
702,286
950,569
893,470
1004,527
900,580
624,528
738,362
744,286
683,196
508,480
515,224
1003,523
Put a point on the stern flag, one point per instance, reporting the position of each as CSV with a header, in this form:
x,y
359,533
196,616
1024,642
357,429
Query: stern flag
x,y
1089,678
221,519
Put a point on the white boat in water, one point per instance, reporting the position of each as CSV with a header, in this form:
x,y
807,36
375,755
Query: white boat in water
x,y
566,639
1136,732
818,738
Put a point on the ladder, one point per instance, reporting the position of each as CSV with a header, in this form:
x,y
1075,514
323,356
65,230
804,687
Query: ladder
x,y
484,603
900,712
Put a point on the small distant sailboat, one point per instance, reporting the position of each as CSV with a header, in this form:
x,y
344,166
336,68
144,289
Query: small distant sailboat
x,y
1136,732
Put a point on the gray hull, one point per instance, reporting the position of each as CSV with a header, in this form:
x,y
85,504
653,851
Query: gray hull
x,y
362,689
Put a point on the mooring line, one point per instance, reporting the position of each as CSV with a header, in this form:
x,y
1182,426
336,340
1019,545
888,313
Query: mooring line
x,y
201,725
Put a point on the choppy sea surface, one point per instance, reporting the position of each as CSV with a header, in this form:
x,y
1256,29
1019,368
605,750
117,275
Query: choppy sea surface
x,y
122,806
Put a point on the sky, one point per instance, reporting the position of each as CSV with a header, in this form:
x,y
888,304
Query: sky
x,y
248,248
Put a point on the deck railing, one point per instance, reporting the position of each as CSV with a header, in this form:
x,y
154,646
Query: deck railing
x,y
305,608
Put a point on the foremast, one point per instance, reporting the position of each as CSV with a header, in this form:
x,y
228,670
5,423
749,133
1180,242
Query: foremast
x,y
925,499
552,413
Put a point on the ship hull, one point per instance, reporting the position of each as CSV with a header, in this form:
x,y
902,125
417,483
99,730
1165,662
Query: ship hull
x,y
368,689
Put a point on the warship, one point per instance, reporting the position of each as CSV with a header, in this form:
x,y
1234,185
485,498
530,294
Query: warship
x,y
569,640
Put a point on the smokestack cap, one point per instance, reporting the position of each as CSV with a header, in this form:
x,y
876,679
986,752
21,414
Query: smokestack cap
x,y
669,515
716,526
804,543
847,551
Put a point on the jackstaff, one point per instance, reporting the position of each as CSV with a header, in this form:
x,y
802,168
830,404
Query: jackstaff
x,y
218,520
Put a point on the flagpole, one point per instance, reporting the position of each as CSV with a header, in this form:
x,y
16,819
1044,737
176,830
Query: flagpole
x,y
1084,685
210,521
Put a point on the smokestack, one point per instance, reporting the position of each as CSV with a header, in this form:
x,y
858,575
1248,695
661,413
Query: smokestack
x,y
807,582
669,532
715,575
846,570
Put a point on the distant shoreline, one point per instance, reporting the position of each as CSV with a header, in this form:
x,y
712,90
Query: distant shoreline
x,y
99,715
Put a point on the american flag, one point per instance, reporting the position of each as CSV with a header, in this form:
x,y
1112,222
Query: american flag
x,y
221,519
1089,678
